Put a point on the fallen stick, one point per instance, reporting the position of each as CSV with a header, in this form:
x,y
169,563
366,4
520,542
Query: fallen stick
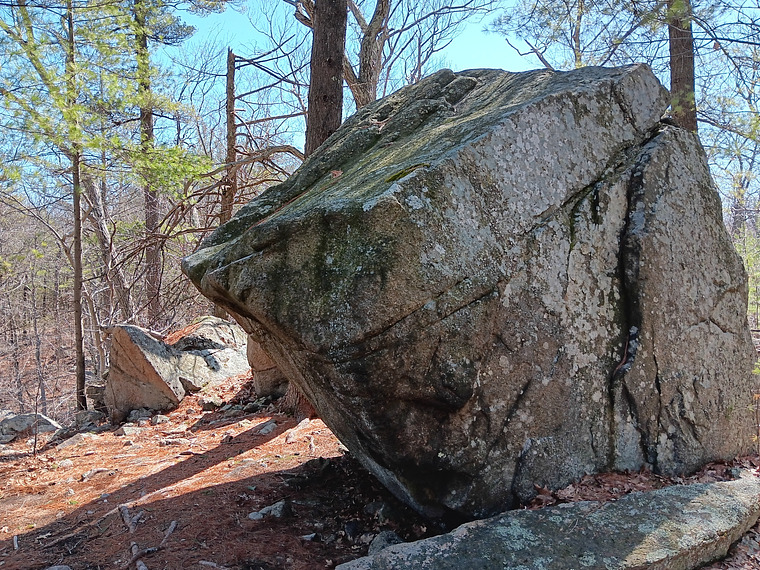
x,y
82,528
168,533
125,517
115,510
136,555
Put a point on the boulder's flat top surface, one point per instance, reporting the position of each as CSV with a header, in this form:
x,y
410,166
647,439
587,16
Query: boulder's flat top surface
x,y
675,528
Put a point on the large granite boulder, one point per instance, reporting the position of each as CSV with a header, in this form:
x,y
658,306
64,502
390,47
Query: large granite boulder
x,y
489,281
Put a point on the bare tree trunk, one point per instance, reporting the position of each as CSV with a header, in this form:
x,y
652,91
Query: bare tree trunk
x,y
59,350
326,84
77,189
38,351
119,297
13,326
682,86
150,194
577,49
374,35
78,332
229,188
97,338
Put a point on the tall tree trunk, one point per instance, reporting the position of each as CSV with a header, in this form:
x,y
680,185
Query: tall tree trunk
x,y
682,86
78,330
150,194
77,189
326,84
41,388
15,340
375,34
229,188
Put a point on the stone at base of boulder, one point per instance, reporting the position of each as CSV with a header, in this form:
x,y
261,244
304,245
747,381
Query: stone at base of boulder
x,y
676,528
88,417
270,383
257,357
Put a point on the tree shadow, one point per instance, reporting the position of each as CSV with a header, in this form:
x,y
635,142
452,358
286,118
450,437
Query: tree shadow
x,y
335,505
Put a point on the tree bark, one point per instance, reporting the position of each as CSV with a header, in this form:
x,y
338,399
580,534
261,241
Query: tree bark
x,y
78,331
229,188
76,160
374,37
682,85
150,194
326,83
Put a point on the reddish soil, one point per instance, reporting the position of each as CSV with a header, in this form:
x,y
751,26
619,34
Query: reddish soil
x,y
208,483
62,504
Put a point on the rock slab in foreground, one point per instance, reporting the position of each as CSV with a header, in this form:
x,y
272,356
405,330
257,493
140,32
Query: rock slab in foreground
x,y
677,528
489,281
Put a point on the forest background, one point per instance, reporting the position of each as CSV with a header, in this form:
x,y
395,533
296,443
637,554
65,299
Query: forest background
x,y
124,139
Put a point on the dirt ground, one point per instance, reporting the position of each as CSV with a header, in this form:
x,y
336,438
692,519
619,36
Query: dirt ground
x,y
181,492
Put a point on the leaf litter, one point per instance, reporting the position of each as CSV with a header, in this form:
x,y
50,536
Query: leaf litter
x,y
115,501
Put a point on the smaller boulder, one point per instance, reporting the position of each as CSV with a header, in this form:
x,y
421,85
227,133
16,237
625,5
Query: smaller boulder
x,y
14,425
85,418
149,371
143,373
213,350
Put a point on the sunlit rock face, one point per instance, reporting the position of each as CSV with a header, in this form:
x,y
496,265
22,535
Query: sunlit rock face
x,y
489,281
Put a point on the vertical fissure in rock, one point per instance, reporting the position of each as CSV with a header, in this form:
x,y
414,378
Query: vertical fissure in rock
x,y
630,309
653,447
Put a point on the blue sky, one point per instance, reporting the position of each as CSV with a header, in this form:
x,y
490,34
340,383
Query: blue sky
x,y
472,49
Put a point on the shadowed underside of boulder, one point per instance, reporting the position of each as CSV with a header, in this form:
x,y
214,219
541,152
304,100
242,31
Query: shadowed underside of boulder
x,y
489,281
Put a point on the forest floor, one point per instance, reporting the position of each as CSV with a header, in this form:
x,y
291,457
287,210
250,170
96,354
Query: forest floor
x,y
181,492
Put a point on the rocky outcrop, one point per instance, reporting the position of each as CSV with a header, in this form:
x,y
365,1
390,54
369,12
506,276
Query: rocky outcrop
x,y
677,528
490,281
147,372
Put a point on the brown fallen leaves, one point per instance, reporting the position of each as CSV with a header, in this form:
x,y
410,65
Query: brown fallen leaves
x,y
611,486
